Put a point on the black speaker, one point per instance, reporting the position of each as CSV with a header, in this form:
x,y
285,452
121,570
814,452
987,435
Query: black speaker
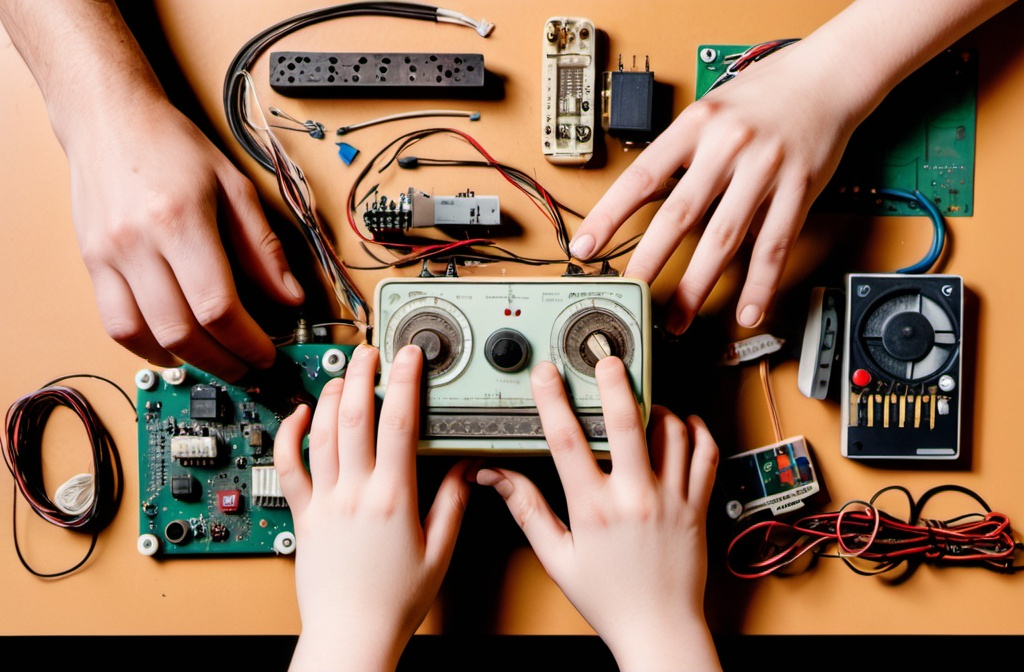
x,y
902,377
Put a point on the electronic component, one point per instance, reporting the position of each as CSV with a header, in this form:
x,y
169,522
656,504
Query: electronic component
x,y
266,487
901,385
205,403
194,449
229,501
568,86
209,486
627,104
777,478
820,348
185,487
481,337
415,209
310,74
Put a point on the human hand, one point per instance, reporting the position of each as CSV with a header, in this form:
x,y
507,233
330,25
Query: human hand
x,y
148,191
757,151
366,569
633,560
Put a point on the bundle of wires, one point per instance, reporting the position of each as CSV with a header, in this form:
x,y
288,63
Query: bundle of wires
x,y
234,96
259,141
94,501
469,249
298,196
751,55
871,541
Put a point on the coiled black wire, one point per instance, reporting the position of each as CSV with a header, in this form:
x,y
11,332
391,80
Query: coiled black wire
x,y
24,425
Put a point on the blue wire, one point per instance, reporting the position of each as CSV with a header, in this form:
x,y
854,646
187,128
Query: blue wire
x,y
938,239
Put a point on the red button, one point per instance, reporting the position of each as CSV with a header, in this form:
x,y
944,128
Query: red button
x,y
861,377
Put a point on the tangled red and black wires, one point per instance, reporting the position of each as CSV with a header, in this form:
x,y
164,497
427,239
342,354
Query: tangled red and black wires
x,y
473,249
100,496
871,541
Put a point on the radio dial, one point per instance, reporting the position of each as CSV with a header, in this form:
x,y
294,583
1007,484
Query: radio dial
x,y
435,346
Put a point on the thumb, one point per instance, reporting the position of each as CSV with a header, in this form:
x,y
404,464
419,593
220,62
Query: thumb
x,y
258,247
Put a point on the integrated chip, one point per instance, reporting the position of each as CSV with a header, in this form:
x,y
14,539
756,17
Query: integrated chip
x,y
229,501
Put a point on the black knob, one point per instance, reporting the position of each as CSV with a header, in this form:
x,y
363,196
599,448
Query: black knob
x,y
507,350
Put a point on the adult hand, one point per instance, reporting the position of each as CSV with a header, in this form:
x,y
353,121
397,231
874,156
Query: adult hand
x,y
366,569
633,560
756,151
148,191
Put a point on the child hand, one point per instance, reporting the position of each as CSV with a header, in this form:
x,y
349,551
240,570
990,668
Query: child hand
x,y
366,569
633,560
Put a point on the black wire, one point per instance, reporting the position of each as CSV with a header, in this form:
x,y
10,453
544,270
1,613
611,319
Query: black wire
x,y
251,50
24,426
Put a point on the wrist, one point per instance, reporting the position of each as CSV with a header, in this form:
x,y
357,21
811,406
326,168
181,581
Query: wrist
x,y
666,647
337,647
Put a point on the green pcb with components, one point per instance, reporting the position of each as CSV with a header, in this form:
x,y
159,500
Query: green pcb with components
x,y
921,137
207,480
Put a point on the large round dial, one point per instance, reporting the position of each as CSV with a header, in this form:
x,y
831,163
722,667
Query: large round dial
x,y
588,331
439,329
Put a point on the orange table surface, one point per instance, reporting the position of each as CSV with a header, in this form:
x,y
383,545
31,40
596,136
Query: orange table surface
x,y
51,328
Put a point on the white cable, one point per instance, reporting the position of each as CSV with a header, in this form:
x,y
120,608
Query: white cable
x,y
482,27
472,116
75,495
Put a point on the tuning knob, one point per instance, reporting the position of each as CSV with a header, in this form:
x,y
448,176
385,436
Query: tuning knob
x,y
507,350
434,345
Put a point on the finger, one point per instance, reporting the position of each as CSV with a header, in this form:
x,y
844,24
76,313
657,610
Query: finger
x,y
295,481
685,207
550,538
775,241
627,442
669,449
703,463
201,269
259,249
441,526
173,325
323,435
356,416
122,319
723,235
398,433
645,176
575,462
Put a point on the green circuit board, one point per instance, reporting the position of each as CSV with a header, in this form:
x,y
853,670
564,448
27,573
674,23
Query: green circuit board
x,y
207,480
921,137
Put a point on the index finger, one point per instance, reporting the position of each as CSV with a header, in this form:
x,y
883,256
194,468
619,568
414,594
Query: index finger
x,y
648,173
627,439
575,462
201,269
398,432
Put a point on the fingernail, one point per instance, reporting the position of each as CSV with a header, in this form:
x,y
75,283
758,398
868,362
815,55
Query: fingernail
x,y
751,316
676,324
408,354
582,247
361,352
293,285
472,470
496,480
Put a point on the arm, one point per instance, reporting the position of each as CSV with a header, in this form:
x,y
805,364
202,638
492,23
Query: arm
x,y
766,144
633,559
147,192
366,569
